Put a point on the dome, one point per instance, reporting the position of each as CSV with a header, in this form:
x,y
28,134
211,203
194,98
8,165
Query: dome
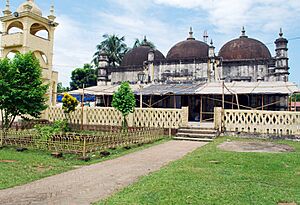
x,y
188,49
244,48
137,56
35,9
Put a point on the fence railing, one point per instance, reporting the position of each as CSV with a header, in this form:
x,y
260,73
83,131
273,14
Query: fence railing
x,y
257,121
142,117
79,143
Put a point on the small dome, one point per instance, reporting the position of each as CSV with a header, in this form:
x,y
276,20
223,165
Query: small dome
x,y
137,56
244,48
35,9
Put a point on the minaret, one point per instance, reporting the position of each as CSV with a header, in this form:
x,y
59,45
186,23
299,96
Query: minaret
x,y
211,52
52,17
102,69
7,10
35,34
282,60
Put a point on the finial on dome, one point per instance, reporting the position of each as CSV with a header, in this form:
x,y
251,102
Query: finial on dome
x,y
191,37
211,42
280,33
243,33
205,36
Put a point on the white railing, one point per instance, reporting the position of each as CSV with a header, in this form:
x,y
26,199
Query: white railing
x,y
257,121
142,117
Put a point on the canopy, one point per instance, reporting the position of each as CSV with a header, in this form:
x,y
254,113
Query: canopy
x,y
214,88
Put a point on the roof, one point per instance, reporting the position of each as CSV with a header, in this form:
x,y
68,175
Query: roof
x,y
102,90
137,56
249,88
230,88
214,88
244,48
165,89
188,49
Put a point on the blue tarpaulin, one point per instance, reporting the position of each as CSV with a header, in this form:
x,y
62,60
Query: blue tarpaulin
x,y
87,97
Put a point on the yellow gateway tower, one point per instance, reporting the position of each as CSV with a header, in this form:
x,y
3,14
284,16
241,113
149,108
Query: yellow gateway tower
x,y
27,30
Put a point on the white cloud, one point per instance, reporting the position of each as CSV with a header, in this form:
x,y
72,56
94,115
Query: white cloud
x,y
226,15
73,46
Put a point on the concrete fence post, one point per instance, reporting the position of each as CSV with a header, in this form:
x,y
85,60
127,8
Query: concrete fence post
x,y
218,118
130,119
185,116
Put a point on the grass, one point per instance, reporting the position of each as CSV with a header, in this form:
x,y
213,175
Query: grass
x,y
17,168
211,176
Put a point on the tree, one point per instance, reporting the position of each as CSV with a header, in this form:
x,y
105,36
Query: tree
x,y
69,104
61,88
22,92
114,47
124,101
143,42
86,75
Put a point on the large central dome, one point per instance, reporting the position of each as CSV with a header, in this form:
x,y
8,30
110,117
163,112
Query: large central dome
x,y
188,49
244,48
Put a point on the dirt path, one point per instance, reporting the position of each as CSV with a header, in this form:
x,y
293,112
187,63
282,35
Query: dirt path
x,y
92,183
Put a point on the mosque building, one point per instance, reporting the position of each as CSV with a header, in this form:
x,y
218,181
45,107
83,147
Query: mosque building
x,y
193,61
244,75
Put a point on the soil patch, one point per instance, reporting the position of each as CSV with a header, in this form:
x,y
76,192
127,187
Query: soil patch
x,y
8,161
269,147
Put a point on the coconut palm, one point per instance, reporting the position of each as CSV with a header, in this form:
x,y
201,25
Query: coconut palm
x,y
114,47
143,42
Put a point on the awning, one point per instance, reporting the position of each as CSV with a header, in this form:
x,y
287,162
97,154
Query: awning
x,y
214,88
102,90
249,88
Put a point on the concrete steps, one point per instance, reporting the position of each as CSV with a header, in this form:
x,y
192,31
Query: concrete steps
x,y
203,134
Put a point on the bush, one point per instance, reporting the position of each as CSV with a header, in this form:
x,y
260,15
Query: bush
x,y
46,132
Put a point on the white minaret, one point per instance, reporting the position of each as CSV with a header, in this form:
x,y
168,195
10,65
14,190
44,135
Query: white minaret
x,y
282,60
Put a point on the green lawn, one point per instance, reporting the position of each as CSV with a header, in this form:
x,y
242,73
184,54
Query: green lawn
x,y
17,168
211,176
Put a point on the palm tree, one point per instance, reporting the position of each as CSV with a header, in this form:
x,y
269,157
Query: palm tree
x,y
143,42
114,47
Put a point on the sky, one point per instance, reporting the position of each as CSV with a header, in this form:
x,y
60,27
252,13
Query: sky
x,y
166,22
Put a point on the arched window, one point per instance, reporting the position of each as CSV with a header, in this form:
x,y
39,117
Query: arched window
x,y
41,57
15,27
11,54
39,30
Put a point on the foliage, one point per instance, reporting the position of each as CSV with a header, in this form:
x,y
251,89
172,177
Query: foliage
x,y
297,96
124,101
61,88
46,132
114,47
143,42
212,176
69,103
22,91
86,76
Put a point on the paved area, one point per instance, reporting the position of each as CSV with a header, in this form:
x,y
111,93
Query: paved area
x,y
92,183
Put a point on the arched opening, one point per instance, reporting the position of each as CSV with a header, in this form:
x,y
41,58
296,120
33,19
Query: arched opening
x,y
39,30
41,56
11,54
15,27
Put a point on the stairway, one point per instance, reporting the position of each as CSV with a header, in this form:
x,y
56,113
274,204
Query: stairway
x,y
192,133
